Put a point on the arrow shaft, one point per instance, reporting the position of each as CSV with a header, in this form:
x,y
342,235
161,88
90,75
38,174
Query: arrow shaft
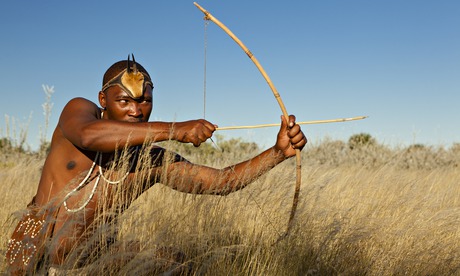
x,y
299,123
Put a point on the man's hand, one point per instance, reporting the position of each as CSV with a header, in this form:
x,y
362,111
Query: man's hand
x,y
290,137
195,131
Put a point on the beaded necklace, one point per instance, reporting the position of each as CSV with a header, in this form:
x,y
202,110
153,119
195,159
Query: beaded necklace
x,y
100,175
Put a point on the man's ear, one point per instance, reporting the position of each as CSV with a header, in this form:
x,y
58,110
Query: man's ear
x,y
102,99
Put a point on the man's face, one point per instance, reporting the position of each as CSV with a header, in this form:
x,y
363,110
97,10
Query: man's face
x,y
121,107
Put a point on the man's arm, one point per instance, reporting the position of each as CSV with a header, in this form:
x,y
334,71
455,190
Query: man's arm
x,y
81,124
192,178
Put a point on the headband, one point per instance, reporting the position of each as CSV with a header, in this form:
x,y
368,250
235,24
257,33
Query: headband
x,y
131,80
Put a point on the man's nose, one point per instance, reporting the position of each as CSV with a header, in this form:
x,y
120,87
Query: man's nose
x,y
135,110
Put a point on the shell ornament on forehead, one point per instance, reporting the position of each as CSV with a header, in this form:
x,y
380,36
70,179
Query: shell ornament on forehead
x,y
131,80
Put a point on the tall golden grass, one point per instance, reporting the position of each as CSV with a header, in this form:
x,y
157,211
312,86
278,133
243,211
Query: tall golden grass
x,y
369,210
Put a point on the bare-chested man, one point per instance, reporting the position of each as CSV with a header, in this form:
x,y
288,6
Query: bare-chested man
x,y
83,146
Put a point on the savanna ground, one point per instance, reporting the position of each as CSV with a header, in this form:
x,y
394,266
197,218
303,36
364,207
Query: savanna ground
x,y
365,209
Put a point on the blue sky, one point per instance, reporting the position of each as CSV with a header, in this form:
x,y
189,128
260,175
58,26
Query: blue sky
x,y
397,62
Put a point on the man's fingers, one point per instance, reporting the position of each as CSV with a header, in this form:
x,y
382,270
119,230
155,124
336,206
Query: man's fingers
x,y
295,134
302,141
297,138
208,125
294,130
291,121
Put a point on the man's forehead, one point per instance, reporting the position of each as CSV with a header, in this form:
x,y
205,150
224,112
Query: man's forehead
x,y
118,92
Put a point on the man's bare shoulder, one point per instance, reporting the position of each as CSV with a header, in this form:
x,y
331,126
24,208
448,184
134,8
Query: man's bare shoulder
x,y
80,106
80,102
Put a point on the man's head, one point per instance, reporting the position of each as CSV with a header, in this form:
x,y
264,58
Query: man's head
x,y
127,92
129,75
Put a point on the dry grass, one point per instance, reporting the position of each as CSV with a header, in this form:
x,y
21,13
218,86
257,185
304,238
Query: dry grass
x,y
366,211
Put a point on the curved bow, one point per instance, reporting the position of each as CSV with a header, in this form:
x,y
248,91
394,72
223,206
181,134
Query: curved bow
x,y
295,200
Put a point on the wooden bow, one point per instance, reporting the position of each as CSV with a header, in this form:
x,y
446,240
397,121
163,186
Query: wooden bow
x,y
295,200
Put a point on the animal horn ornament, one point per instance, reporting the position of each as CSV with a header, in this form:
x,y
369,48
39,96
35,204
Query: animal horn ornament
x,y
295,200
131,69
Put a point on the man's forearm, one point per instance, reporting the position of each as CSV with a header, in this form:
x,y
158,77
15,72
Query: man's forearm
x,y
117,135
240,175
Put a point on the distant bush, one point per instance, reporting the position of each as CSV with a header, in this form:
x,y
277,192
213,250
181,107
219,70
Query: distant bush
x,y
5,144
359,140
365,151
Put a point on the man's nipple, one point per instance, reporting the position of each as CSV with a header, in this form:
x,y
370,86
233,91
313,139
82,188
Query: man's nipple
x,y
71,165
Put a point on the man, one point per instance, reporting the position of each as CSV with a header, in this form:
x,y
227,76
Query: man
x,y
79,173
